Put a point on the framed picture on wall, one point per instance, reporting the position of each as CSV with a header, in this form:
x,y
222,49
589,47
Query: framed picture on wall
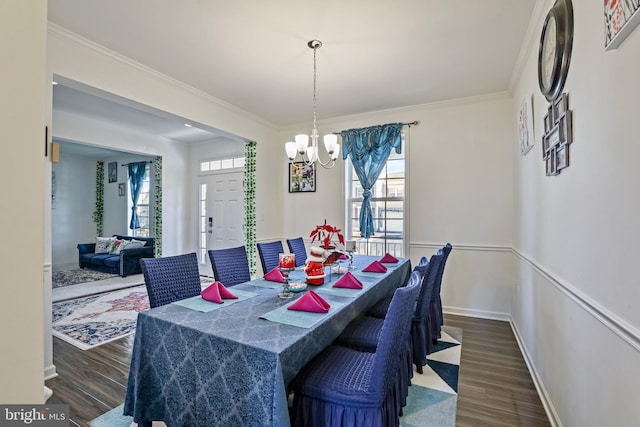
x,y
112,169
525,125
121,189
620,19
302,178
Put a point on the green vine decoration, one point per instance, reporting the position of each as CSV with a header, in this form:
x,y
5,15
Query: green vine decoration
x,y
98,214
157,206
250,204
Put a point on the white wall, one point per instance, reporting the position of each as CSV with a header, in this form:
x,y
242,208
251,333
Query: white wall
x,y
22,120
576,300
83,61
72,217
460,179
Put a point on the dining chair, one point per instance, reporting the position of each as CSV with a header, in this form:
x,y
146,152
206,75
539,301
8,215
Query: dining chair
x,y
436,301
380,308
347,387
296,247
171,278
269,254
230,266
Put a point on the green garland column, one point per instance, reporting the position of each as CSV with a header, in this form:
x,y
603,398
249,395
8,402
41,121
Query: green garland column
x,y
98,214
157,206
250,204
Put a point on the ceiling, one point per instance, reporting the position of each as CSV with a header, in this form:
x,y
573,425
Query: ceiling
x,y
253,54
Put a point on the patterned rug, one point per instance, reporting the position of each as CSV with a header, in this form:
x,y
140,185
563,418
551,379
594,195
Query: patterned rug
x,y
432,400
94,320
80,275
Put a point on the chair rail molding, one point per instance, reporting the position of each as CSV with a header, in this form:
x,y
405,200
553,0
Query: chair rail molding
x,y
462,246
628,333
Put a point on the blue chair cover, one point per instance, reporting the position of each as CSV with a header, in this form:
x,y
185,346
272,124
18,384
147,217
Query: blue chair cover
x,y
346,387
380,308
269,255
171,278
437,319
421,322
296,246
230,266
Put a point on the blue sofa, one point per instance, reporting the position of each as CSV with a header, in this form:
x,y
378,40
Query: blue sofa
x,y
125,263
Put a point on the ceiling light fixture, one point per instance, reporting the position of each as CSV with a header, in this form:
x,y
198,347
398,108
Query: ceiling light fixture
x,y
310,153
188,125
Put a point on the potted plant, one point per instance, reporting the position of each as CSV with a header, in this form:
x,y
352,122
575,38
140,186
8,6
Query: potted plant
x,y
325,235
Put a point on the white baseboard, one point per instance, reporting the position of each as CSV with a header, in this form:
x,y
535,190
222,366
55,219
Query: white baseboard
x,y
483,314
542,391
50,372
47,393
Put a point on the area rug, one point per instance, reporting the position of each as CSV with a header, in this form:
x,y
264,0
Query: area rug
x,y
94,320
433,395
80,275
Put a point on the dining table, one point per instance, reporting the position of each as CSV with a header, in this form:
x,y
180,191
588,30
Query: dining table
x,y
198,363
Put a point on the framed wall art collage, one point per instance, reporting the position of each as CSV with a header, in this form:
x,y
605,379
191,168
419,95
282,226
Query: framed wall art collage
x,y
557,135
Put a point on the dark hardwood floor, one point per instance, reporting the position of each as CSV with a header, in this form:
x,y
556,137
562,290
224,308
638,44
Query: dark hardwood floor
x,y
495,388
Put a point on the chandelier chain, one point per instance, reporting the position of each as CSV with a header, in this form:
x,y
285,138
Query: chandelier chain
x,y
315,49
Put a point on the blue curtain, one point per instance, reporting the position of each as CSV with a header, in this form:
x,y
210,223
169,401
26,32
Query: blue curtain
x,y
136,176
369,149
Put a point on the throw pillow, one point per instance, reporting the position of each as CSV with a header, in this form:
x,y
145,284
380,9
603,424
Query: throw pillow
x,y
142,242
117,246
134,244
104,244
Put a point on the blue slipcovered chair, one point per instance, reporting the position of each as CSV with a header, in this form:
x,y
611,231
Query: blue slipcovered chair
x,y
269,253
437,320
171,278
230,266
347,387
363,333
296,247
380,308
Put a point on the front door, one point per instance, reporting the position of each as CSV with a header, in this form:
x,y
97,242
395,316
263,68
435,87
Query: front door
x,y
221,211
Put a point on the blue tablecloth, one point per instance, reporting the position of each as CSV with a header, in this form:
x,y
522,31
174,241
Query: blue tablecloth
x,y
228,367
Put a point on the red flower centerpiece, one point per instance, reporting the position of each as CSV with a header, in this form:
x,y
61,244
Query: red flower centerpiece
x,y
325,234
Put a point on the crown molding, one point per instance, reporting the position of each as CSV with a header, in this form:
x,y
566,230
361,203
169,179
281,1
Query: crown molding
x,y
530,38
76,38
407,109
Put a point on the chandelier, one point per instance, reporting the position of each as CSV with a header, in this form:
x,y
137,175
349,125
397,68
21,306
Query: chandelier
x,y
309,153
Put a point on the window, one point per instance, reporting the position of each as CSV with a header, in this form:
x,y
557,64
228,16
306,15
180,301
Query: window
x,y
202,216
387,206
216,165
143,207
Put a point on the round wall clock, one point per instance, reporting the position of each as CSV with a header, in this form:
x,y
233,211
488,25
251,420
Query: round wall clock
x,y
554,53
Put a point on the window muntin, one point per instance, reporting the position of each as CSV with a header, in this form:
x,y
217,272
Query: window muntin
x,y
387,206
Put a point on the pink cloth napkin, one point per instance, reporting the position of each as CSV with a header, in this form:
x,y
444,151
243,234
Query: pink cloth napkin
x,y
388,258
344,256
216,292
375,267
274,276
348,281
311,302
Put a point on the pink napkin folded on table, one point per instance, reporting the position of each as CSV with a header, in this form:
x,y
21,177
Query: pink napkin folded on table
x,y
274,276
216,292
344,256
311,302
389,258
348,281
375,267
